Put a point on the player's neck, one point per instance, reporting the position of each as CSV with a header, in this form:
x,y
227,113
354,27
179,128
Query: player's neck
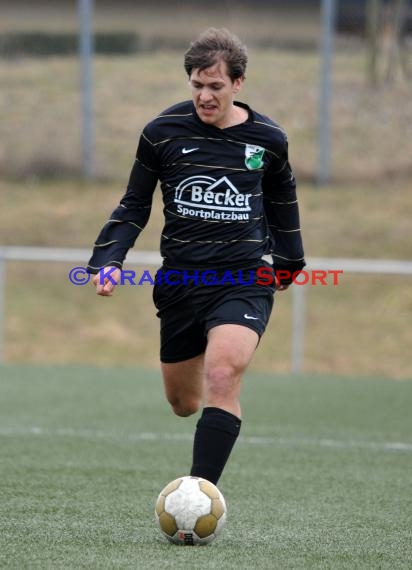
x,y
237,116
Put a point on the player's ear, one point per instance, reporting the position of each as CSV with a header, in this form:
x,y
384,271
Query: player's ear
x,y
237,84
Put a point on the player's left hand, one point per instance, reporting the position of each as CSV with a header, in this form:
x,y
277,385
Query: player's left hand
x,y
281,287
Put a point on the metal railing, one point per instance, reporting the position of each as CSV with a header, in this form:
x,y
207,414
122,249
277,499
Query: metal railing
x,y
149,258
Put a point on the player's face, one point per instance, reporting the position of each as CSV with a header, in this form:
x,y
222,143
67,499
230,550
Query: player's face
x,y
213,92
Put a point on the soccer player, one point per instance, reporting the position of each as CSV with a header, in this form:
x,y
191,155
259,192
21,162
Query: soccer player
x,y
229,198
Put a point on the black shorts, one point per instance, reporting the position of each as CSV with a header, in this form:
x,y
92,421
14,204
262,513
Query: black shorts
x,y
190,303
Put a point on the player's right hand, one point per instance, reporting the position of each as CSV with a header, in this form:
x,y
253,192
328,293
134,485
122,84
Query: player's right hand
x,y
105,285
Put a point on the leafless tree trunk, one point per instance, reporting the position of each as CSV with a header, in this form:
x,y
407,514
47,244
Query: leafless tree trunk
x,y
394,42
373,8
387,48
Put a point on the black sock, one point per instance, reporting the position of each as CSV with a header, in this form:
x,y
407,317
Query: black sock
x,y
215,436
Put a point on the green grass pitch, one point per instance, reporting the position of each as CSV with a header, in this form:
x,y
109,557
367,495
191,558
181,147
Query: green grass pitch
x,y
320,478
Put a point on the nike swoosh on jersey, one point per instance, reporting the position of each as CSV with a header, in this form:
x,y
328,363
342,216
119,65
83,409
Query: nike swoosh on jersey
x,y
250,317
187,150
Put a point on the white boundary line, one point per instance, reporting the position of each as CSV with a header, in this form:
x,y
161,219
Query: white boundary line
x,y
96,434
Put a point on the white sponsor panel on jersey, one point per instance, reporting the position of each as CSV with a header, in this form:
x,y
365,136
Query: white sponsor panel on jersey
x,y
208,198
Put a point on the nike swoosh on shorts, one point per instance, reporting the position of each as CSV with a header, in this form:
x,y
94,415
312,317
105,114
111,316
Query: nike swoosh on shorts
x,y
187,150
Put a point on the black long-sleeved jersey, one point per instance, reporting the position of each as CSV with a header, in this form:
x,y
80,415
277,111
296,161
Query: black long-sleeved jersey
x,y
229,194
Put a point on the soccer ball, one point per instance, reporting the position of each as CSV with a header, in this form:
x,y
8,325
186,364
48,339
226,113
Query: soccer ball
x,y
190,510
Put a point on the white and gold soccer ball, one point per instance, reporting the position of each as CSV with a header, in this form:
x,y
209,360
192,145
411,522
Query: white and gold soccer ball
x,y
190,510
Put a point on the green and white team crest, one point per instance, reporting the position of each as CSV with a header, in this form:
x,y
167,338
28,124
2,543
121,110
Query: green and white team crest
x,y
254,156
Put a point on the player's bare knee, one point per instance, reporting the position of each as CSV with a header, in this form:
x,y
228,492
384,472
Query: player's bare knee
x,y
185,411
221,380
185,408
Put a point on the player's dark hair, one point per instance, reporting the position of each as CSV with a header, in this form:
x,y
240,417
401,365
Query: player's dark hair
x,y
215,45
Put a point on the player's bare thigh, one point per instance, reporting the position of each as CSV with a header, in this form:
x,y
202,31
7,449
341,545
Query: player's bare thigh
x,y
183,382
